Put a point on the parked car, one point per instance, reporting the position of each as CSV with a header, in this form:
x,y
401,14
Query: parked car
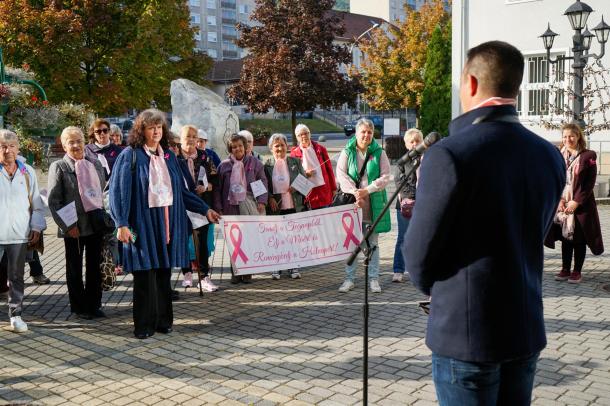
x,y
304,114
126,127
350,128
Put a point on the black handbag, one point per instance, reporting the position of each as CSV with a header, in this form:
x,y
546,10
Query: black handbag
x,y
342,198
101,221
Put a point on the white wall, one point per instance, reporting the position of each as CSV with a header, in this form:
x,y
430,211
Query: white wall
x,y
519,23
377,8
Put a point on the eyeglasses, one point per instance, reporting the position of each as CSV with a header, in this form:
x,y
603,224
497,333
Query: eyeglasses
x,y
102,131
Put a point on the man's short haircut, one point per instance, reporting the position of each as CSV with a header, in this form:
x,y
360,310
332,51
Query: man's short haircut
x,y
498,66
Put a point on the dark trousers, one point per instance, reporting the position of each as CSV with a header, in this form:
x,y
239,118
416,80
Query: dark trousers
x,y
463,383
152,301
87,297
577,246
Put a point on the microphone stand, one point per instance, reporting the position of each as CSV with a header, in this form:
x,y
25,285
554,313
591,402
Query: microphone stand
x,y
368,254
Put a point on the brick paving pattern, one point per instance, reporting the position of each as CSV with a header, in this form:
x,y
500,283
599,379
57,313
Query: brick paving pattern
x,y
286,342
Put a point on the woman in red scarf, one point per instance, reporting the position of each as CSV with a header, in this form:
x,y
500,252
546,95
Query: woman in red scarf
x,y
318,168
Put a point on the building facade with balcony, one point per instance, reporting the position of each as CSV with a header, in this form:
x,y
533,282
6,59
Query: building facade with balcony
x,y
521,23
215,21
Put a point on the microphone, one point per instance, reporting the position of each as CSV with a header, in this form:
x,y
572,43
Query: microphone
x,y
419,150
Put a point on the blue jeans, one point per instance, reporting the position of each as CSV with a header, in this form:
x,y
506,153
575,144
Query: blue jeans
x,y
476,383
399,261
350,270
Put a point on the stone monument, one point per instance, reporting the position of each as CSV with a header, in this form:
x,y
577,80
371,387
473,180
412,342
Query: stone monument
x,y
201,107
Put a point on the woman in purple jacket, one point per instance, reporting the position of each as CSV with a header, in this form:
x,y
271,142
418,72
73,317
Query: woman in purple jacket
x,y
234,196
576,223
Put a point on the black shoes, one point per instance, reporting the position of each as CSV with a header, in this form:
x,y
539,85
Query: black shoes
x,y
84,316
175,295
164,330
142,336
97,313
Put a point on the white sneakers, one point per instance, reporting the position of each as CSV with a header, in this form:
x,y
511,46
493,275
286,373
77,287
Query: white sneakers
x,y
207,285
18,325
349,285
275,275
187,282
397,277
346,286
294,274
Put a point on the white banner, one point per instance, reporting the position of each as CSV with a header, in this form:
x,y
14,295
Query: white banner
x,y
259,244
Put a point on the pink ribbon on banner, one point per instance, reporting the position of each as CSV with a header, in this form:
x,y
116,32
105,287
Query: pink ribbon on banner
x,y
349,230
236,241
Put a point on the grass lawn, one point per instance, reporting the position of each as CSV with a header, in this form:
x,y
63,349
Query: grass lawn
x,y
284,126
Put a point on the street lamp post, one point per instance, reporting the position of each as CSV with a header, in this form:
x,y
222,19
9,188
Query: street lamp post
x,y
578,13
351,51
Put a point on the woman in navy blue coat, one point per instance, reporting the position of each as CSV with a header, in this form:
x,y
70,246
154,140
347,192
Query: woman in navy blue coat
x,y
148,202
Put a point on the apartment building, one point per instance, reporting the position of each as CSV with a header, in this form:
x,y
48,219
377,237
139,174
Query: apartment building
x,y
388,10
215,21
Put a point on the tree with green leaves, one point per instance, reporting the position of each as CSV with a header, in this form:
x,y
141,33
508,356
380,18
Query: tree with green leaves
x,y
110,55
436,96
393,67
293,63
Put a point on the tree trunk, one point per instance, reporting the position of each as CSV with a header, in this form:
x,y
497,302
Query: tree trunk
x,y
293,125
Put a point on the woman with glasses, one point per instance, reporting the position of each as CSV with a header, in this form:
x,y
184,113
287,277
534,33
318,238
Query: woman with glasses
x,y
100,147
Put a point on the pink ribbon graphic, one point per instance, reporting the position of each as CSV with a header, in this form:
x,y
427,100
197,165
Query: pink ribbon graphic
x,y
236,241
349,230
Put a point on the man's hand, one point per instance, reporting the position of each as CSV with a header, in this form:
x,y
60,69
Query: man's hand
x,y
213,216
34,237
73,232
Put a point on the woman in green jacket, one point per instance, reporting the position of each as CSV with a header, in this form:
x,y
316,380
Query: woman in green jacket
x,y
369,191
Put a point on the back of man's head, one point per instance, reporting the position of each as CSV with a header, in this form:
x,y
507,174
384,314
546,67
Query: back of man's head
x,y
498,68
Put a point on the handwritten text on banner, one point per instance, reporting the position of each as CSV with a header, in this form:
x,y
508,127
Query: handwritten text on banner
x,y
259,244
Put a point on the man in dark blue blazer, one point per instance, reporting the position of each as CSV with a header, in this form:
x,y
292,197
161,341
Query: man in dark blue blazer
x,y
486,198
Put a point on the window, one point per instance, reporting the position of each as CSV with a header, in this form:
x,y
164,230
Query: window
x,y
198,36
212,36
195,18
194,3
243,8
535,96
211,4
211,20
212,53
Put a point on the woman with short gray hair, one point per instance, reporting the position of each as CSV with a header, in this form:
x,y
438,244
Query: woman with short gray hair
x,y
78,180
317,166
281,170
21,220
405,202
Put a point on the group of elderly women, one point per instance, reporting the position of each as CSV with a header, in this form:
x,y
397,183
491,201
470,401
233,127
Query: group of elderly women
x,y
150,189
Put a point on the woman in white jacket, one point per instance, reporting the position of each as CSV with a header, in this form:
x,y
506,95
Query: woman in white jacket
x,y
21,220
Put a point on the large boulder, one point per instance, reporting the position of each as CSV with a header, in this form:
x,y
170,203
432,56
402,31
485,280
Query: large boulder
x,y
201,107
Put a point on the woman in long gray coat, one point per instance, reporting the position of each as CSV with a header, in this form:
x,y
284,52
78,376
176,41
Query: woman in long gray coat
x,y
76,181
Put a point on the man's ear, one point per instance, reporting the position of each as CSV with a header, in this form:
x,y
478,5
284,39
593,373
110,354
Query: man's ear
x,y
472,85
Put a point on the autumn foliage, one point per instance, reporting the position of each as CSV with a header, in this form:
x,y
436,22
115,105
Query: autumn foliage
x,y
393,67
111,55
293,63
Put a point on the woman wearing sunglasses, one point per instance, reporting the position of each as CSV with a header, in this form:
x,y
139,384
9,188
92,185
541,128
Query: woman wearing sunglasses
x,y
100,147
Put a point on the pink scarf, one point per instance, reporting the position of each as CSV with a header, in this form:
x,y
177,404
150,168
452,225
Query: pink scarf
x,y
190,161
237,183
281,183
160,192
89,187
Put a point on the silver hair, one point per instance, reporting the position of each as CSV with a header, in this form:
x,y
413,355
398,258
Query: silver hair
x,y
7,135
70,130
299,127
115,129
275,137
365,122
247,134
413,133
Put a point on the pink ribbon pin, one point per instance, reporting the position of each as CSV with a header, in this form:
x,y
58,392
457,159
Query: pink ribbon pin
x,y
236,241
349,230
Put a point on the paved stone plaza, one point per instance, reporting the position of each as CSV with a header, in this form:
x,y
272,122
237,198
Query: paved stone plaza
x,y
288,342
